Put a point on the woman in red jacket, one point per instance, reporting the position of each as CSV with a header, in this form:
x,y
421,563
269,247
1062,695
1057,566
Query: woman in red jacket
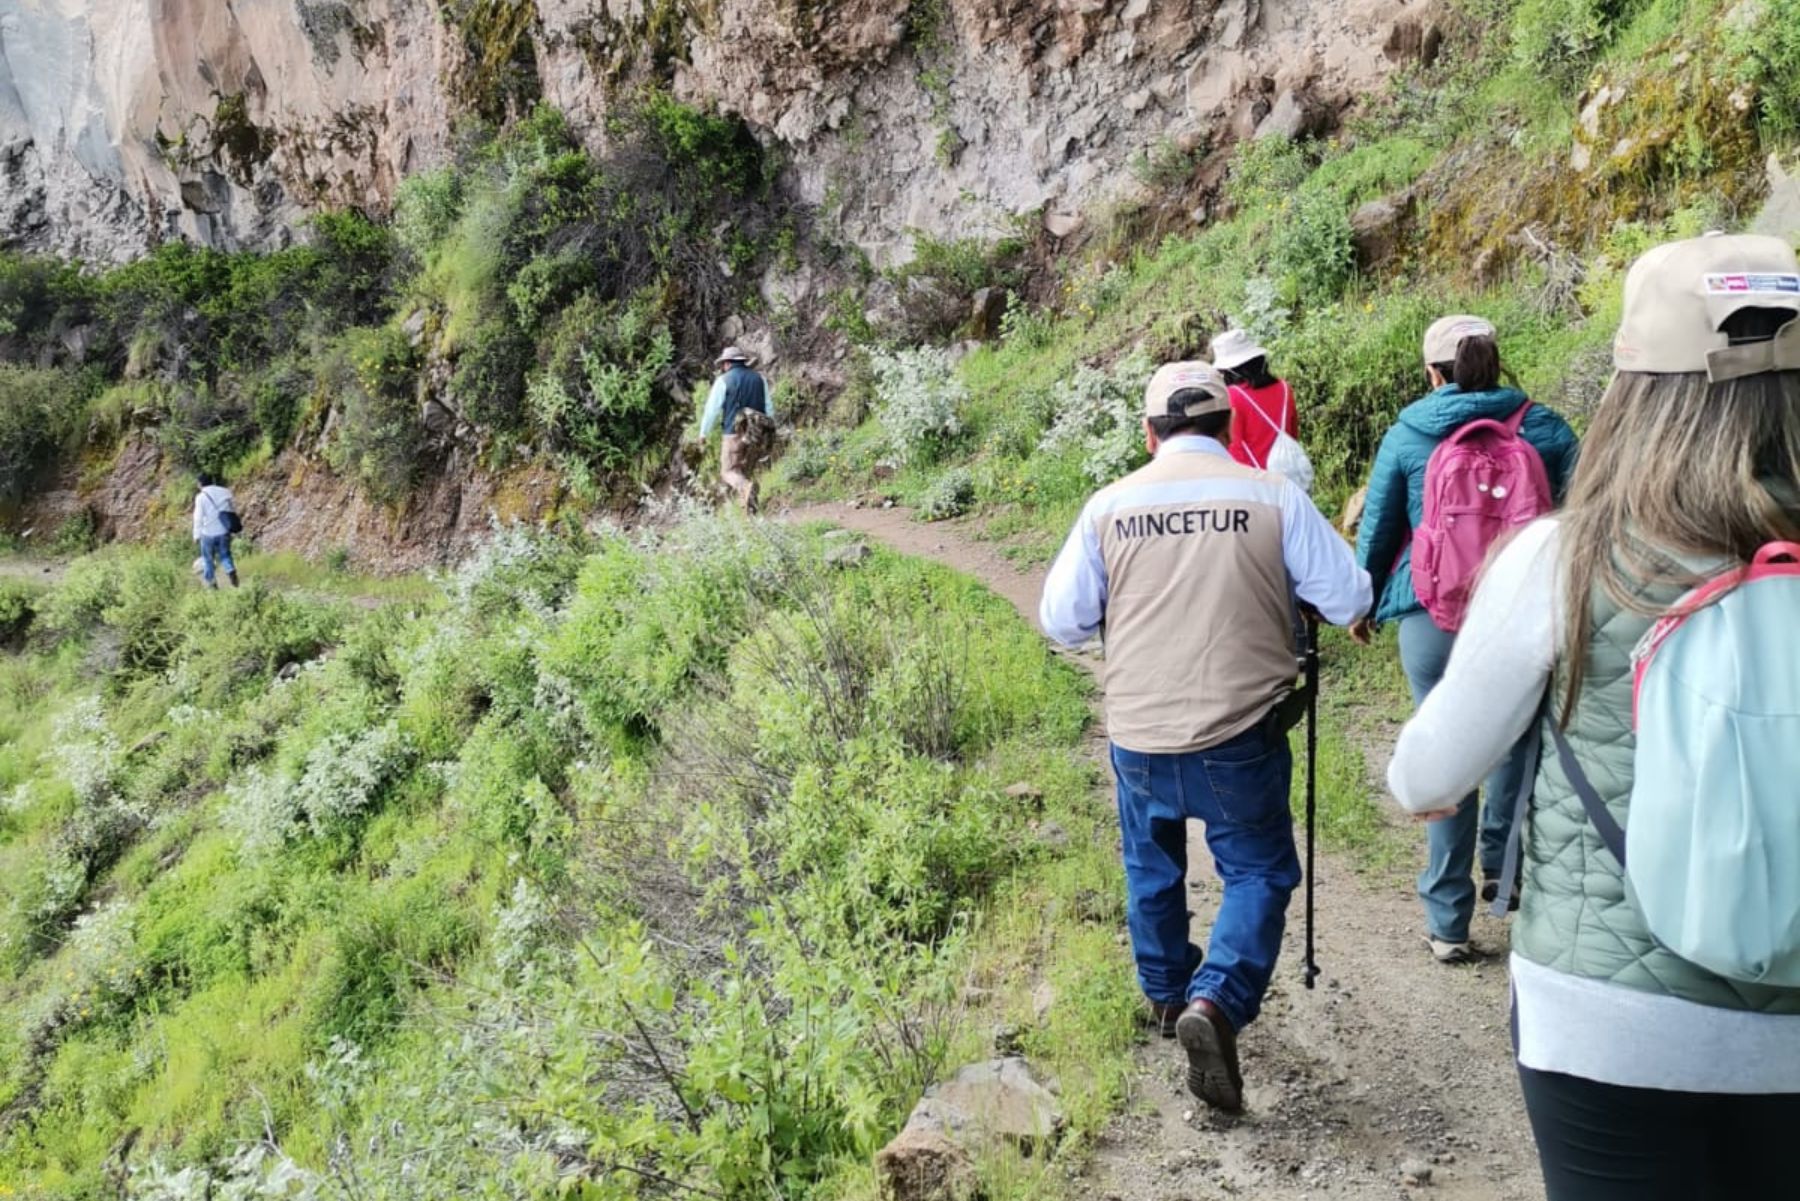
x,y
1261,405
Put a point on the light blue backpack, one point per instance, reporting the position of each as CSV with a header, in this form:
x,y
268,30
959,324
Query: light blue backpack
x,y
1712,856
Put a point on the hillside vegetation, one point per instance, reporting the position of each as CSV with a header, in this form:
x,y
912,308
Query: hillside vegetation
x,y
612,868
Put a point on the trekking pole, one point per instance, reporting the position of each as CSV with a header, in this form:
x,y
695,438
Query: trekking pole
x,y
1311,666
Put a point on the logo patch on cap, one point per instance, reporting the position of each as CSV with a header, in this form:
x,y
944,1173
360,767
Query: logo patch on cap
x,y
1761,283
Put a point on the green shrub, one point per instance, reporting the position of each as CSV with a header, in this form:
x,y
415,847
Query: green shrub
x,y
40,410
370,375
1165,165
16,611
599,396
205,429
40,297
1265,170
488,387
426,208
1312,245
1768,47
949,495
720,151
1562,37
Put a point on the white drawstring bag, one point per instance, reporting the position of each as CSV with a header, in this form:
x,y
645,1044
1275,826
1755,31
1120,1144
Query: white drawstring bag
x,y
1286,456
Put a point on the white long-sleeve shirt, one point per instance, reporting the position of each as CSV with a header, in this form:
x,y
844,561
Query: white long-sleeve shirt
x,y
209,505
1499,668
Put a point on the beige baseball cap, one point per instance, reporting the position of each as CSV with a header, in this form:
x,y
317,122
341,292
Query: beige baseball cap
x,y
1447,333
1679,295
1173,378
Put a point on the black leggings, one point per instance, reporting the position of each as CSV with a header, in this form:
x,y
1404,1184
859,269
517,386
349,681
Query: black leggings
x,y
1604,1142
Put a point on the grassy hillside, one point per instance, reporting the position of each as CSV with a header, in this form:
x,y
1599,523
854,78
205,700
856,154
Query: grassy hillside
x,y
632,867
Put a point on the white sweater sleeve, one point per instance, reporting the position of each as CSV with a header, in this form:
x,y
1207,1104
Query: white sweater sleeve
x,y
1495,679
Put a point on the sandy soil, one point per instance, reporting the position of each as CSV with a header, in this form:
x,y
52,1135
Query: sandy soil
x,y
1391,1061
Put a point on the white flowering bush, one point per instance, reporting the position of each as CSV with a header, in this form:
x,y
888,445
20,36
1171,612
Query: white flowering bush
x,y
261,809
918,400
86,750
1099,414
345,773
950,495
520,926
1264,315
256,1172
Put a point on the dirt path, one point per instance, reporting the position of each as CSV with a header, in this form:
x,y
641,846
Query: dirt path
x,y
1391,1060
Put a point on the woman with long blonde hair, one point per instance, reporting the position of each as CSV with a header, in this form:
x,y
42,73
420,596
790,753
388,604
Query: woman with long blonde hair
x,y
1646,1076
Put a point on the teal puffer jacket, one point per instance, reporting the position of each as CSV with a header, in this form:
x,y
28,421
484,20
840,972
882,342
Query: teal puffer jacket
x,y
1396,497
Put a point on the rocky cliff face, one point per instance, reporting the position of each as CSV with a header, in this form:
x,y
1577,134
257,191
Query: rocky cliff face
x,y
124,122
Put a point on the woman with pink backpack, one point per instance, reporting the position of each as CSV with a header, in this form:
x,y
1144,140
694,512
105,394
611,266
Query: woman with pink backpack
x,y
1649,635
1463,464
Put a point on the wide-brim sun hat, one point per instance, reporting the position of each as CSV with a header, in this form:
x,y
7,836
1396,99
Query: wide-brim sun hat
x,y
1172,379
1447,333
1235,347
732,354
1678,297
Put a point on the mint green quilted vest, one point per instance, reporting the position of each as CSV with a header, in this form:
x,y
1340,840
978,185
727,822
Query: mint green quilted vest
x,y
1575,916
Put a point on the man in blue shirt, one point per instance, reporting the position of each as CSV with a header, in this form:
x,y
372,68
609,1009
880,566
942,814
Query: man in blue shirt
x,y
1189,569
739,406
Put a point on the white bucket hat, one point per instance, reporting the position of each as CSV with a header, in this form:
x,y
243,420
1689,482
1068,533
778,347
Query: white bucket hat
x,y
732,354
1233,348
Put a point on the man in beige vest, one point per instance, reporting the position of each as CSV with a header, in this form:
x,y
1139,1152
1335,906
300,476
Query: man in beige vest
x,y
1191,568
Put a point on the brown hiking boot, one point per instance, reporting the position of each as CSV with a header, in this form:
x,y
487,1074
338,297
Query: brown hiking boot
x,y
1211,1045
1161,1016
232,576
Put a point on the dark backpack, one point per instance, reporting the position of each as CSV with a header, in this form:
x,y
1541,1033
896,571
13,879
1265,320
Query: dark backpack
x,y
228,517
756,432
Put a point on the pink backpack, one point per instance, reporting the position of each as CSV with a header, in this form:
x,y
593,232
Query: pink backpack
x,y
1482,482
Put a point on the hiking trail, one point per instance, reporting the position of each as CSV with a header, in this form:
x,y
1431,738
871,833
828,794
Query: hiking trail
x,y
1393,1079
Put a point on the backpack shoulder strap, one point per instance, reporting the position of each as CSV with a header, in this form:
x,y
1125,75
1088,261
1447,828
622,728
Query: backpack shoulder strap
x,y
1509,869
1517,420
1611,832
1250,400
1243,394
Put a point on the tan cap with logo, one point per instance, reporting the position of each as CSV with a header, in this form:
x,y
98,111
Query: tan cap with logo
x,y
1173,378
1447,333
1679,295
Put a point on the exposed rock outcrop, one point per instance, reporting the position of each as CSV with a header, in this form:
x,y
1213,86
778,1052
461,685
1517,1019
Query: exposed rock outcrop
x,y
123,122
997,1102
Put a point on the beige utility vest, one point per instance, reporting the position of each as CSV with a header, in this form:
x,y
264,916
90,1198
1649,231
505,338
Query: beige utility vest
x,y
1199,628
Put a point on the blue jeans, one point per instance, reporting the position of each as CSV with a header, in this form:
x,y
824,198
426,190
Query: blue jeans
x,y
215,549
1239,790
1447,886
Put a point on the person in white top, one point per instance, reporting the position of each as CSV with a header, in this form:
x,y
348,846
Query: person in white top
x,y
1646,1076
214,518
